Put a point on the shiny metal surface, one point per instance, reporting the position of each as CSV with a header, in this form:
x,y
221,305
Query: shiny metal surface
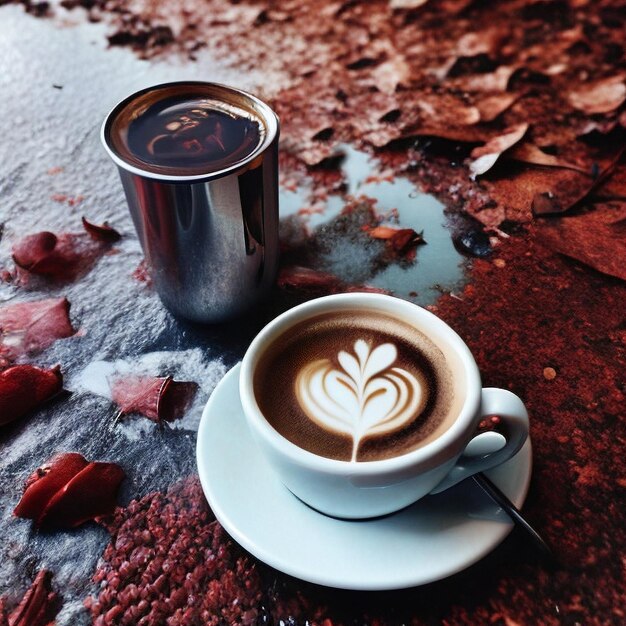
x,y
211,243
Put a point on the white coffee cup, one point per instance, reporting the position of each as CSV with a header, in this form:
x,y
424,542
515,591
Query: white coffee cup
x,y
365,489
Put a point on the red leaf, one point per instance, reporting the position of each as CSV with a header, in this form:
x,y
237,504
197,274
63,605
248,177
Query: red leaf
x,y
307,279
45,481
297,277
46,254
142,273
64,256
90,494
35,250
486,156
155,398
103,233
39,605
176,399
383,232
24,387
400,240
69,491
30,327
602,96
597,239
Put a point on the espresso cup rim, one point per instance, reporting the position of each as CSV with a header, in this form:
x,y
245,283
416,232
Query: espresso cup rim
x,y
447,445
265,112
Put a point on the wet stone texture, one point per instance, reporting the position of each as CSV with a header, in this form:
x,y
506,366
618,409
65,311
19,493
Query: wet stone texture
x,y
464,155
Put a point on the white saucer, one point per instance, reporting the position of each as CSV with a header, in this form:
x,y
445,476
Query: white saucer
x,y
432,539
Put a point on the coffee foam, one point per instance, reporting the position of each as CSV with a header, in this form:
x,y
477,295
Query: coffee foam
x,y
355,385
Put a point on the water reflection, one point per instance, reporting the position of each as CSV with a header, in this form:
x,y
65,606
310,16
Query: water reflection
x,y
341,248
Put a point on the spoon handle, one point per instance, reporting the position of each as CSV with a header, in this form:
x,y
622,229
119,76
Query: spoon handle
x,y
513,512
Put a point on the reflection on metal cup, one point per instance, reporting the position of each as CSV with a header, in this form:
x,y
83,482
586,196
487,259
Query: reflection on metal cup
x,y
210,239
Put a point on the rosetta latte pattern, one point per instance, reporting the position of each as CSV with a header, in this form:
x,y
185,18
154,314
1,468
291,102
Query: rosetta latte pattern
x,y
365,398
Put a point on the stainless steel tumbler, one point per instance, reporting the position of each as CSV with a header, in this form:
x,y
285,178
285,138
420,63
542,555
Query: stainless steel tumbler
x,y
210,240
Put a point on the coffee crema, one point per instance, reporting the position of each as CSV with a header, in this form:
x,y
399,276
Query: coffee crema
x,y
355,386
185,130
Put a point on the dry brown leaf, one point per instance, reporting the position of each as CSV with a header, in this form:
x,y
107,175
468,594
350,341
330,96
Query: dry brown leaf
x,y
497,80
493,106
615,184
486,156
513,189
597,239
407,4
602,96
527,152
445,110
484,42
388,75
560,200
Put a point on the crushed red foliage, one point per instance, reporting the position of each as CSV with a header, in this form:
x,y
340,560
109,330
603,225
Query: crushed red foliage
x,y
102,232
27,328
524,96
155,398
24,388
69,491
307,280
38,607
62,257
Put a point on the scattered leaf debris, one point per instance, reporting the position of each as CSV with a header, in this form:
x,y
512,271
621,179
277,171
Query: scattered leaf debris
x,y
69,491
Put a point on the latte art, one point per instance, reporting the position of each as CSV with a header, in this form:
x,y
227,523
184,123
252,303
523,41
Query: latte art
x,y
354,386
365,397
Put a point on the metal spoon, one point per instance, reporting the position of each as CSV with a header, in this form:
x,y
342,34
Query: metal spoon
x,y
513,512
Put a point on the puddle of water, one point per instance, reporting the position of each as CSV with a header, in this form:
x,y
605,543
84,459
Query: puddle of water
x,y
437,267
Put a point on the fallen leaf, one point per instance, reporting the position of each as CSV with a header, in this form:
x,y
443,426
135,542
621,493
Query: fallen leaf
x,y
496,81
388,75
142,273
27,328
527,152
42,254
307,279
486,156
155,398
559,200
69,491
614,187
38,606
45,481
597,238
602,96
298,277
88,495
493,106
401,240
407,4
65,256
487,41
443,110
24,388
104,232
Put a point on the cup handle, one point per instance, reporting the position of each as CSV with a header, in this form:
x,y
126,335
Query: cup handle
x,y
514,416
